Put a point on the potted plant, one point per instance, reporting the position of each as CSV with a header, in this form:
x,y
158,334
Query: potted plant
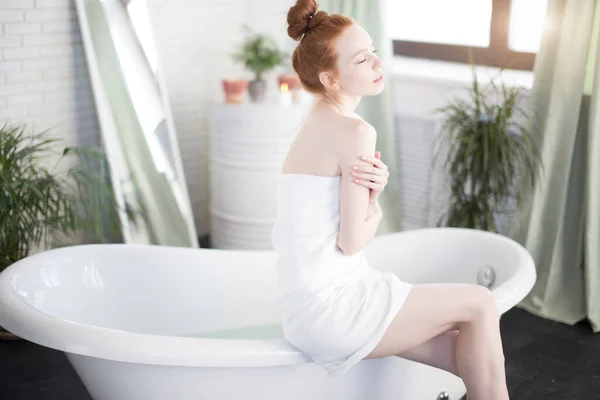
x,y
43,207
234,90
491,155
259,54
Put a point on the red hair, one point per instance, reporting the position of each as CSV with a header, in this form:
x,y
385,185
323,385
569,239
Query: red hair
x,y
316,31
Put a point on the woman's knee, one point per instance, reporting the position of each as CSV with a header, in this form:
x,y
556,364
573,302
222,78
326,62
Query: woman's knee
x,y
482,304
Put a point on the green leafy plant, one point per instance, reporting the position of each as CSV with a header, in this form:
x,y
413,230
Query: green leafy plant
x,y
42,206
260,54
491,155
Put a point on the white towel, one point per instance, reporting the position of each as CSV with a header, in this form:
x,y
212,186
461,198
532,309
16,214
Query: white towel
x,y
335,308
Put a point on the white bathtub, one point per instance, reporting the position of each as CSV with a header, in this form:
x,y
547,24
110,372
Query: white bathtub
x,y
130,318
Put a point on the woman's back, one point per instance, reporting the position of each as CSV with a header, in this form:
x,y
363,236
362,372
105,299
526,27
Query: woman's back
x,y
320,142
331,144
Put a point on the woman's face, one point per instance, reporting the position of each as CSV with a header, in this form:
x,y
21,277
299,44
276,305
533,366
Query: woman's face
x,y
359,69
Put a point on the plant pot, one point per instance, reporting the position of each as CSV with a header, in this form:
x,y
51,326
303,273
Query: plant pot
x,y
257,91
234,90
6,335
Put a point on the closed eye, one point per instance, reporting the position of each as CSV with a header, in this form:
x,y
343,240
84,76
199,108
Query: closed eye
x,y
362,61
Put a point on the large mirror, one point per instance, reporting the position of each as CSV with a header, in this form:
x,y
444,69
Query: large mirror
x,y
137,127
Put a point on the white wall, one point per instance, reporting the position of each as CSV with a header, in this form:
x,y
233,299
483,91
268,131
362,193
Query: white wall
x,y
43,75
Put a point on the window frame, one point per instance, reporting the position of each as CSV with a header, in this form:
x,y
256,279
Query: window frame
x,y
497,54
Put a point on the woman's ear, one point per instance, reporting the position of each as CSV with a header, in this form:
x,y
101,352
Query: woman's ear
x,y
328,81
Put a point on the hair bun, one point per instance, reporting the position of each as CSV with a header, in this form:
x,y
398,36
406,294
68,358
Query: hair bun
x,y
303,16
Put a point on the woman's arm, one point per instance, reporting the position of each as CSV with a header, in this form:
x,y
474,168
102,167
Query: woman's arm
x,y
374,208
372,224
359,218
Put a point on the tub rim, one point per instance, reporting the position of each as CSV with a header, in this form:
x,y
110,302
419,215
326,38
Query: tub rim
x,y
95,341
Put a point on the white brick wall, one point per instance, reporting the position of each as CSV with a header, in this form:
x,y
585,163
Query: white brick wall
x,y
43,74
44,80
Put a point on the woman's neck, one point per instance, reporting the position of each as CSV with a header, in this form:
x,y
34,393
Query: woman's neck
x,y
345,106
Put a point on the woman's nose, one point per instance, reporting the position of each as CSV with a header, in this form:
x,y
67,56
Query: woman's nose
x,y
377,64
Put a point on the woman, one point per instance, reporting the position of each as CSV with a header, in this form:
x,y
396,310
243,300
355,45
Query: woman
x,y
336,308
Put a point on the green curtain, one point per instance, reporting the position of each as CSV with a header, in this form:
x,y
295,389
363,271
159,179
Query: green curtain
x,y
377,110
166,223
560,224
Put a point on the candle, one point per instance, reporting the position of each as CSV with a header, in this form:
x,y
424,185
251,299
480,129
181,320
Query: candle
x,y
304,97
285,94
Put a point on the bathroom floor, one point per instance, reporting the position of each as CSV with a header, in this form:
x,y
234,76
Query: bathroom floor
x,y
545,360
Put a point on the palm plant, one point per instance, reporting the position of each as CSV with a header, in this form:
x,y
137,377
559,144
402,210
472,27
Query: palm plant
x,y
259,54
491,155
43,207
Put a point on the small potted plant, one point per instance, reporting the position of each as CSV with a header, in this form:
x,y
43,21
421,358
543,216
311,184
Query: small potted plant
x,y
259,54
490,155
42,207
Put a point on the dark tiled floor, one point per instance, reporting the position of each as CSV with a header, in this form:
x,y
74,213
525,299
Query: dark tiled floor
x,y
549,360
545,360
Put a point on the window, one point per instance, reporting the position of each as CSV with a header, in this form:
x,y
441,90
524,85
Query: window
x,y
500,33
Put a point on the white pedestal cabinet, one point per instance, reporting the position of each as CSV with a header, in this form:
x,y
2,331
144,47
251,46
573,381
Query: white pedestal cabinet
x,y
248,144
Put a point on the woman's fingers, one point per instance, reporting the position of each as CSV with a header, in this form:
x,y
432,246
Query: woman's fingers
x,y
375,161
370,177
370,184
371,171
374,176
373,184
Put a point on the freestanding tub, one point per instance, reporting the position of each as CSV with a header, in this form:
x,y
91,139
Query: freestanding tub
x,y
160,323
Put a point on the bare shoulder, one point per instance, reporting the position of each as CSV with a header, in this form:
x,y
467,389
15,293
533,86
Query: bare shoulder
x,y
356,126
356,138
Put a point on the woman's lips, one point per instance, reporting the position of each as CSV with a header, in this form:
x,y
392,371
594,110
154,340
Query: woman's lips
x,y
380,79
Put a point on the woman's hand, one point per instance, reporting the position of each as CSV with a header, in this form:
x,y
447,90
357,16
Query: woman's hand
x,y
374,176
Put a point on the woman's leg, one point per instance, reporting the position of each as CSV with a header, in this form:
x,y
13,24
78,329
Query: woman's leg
x,y
433,309
438,352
